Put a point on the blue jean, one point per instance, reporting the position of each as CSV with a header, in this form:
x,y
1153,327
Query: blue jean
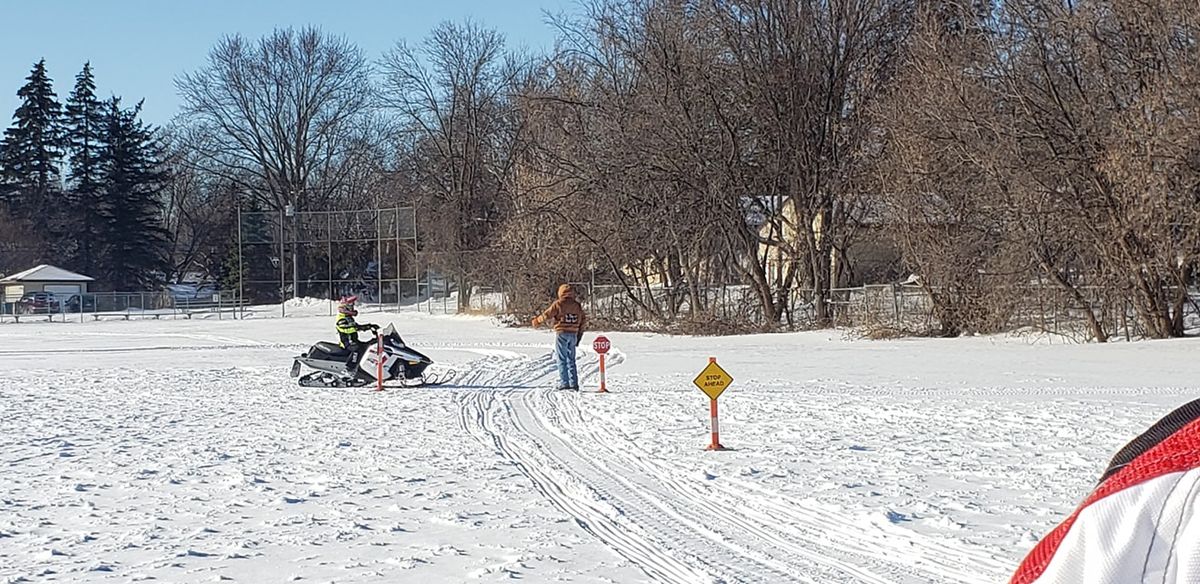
x,y
564,353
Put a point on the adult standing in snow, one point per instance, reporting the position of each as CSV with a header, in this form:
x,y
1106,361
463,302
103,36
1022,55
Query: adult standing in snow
x,y
1141,524
348,329
568,319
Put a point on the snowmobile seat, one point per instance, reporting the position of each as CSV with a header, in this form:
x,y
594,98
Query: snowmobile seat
x,y
332,349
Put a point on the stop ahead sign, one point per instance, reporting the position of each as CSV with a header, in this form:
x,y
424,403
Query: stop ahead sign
x,y
600,345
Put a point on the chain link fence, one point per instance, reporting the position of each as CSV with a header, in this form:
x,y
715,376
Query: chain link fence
x,y
219,304
898,306
885,309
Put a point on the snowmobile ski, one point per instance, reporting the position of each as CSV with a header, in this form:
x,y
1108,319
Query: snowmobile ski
x,y
437,379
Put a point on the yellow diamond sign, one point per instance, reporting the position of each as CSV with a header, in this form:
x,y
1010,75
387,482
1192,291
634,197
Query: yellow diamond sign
x,y
713,380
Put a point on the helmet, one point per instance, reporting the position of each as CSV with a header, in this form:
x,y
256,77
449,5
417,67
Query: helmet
x,y
346,306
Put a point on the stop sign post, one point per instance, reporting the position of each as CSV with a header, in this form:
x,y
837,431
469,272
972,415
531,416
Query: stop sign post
x,y
601,346
378,361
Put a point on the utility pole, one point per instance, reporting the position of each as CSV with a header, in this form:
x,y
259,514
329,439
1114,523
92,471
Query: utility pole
x,y
282,287
291,212
241,294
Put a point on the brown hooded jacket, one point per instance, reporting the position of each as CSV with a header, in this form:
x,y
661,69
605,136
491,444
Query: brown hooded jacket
x,y
566,313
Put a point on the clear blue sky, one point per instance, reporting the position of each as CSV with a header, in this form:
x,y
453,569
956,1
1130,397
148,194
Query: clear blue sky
x,y
138,47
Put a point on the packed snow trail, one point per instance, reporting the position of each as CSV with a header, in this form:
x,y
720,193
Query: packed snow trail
x,y
675,528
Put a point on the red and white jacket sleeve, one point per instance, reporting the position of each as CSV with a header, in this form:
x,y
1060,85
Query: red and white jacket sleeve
x,y
1141,524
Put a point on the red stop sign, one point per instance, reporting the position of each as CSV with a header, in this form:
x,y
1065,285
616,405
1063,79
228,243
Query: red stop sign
x,y
600,345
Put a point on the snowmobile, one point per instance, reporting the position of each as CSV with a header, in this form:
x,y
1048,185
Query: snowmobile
x,y
334,369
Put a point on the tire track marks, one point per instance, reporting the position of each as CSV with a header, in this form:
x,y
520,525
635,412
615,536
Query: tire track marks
x,y
489,416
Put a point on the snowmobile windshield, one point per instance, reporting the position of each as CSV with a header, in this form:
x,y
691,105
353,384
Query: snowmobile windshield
x,y
390,333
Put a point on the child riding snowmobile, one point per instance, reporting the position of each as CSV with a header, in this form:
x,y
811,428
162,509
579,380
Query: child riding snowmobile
x,y
354,362
348,329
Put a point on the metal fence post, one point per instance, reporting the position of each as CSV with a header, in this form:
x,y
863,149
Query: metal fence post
x,y
895,306
241,291
282,264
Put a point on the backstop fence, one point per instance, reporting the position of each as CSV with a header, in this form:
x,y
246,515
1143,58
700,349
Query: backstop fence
x,y
369,253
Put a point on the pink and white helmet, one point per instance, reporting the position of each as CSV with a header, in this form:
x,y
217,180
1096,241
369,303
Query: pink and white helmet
x,y
346,306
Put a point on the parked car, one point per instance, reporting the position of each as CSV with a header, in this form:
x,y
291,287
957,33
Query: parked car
x,y
183,293
81,303
205,292
39,303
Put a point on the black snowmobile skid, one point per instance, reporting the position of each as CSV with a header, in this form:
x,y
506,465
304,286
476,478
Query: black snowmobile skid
x,y
323,379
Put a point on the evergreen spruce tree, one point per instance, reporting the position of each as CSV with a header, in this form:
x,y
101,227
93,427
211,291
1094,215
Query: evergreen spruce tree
x,y
134,241
83,132
32,151
5,190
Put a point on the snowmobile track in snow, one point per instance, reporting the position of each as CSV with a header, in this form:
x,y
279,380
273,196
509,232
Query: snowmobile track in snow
x,y
674,528
489,417
799,537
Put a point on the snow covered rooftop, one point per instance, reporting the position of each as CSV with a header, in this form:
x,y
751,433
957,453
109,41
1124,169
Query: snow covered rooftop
x,y
46,273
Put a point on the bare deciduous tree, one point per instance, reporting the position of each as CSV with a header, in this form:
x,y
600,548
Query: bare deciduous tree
x,y
199,213
453,95
280,115
1062,134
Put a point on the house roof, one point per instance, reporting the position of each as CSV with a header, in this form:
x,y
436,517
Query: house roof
x,y
46,273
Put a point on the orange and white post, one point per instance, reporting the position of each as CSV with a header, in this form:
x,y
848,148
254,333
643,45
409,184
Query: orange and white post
x,y
713,381
603,389
716,432
378,361
716,426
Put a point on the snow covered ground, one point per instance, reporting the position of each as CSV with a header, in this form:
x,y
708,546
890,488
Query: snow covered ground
x,y
180,451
